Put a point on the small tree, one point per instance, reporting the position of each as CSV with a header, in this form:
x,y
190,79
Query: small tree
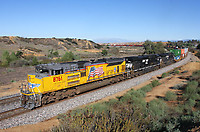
x,y
152,48
52,53
68,56
5,58
19,54
104,52
13,57
34,61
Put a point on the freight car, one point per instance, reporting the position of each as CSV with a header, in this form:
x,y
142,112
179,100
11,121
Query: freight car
x,y
53,82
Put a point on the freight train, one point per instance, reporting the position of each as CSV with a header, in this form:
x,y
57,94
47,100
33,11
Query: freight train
x,y
52,82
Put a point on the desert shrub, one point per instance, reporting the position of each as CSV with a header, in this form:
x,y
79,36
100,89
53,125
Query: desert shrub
x,y
13,57
164,75
125,98
146,88
68,56
104,52
19,54
170,96
136,93
158,111
142,93
34,61
195,75
99,107
138,104
5,58
44,60
114,51
52,53
19,63
176,72
114,103
171,125
196,116
191,89
155,83
29,57
157,108
190,103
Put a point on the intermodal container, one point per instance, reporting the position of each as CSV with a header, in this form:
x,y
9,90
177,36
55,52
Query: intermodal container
x,y
186,50
177,58
182,51
176,52
182,56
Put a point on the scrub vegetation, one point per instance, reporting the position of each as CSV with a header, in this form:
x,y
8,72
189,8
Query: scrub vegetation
x,y
131,112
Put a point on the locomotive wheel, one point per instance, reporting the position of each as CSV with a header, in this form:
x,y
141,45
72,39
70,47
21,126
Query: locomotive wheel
x,y
30,104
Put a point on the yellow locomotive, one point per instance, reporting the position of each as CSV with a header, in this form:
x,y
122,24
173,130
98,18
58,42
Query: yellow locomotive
x,y
56,81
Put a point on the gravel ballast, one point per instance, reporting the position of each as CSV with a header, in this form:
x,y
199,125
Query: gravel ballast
x,y
50,111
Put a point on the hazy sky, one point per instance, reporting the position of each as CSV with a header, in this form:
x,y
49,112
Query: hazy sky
x,y
135,20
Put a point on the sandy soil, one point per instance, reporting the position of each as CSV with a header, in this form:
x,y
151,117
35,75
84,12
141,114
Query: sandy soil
x,y
41,126
10,75
158,91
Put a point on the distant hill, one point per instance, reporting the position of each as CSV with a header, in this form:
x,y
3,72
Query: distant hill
x,y
112,40
41,46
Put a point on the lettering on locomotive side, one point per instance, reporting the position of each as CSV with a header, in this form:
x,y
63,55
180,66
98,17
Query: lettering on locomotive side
x,y
57,79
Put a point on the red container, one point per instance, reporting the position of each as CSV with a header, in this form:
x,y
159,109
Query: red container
x,y
182,51
182,56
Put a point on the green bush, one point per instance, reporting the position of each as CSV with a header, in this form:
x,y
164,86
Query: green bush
x,y
99,107
126,98
176,72
170,96
104,52
139,104
34,61
190,103
146,88
164,75
68,56
13,57
191,90
19,54
157,108
5,58
158,111
155,83
136,93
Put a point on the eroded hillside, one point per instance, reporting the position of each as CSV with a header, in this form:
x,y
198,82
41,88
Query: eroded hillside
x,y
41,46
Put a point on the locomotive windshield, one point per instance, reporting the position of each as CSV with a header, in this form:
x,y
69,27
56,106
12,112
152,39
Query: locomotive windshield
x,y
39,69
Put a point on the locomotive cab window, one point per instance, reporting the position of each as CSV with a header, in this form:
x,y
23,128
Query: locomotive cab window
x,y
57,72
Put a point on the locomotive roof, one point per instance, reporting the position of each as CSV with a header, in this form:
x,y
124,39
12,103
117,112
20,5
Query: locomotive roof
x,y
141,57
58,66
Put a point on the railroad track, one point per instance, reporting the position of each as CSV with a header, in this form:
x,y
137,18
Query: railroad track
x,y
9,100
12,113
